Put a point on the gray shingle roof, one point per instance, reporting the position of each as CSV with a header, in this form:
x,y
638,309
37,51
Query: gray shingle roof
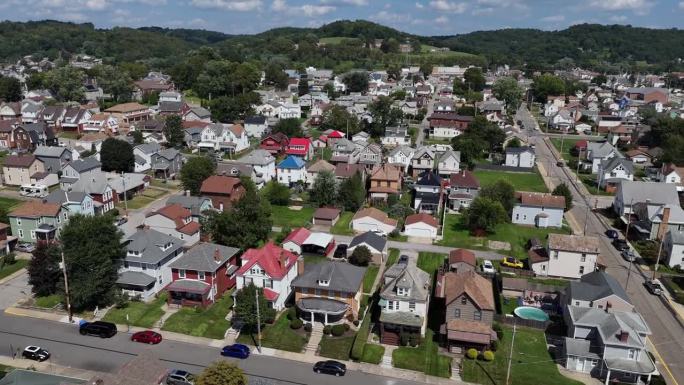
x,y
49,151
148,148
599,149
149,243
257,157
85,164
610,164
610,324
61,196
408,277
657,193
341,276
135,278
519,150
596,285
168,153
201,257
192,203
375,241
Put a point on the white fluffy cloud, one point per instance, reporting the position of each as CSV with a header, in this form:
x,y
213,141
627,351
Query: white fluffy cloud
x,y
419,5
316,10
619,5
357,3
309,10
681,5
553,18
449,6
229,5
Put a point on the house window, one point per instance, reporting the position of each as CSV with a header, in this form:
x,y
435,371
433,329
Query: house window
x,y
464,300
33,234
631,354
555,254
268,283
21,233
181,273
477,316
18,221
583,258
66,216
577,303
457,313
412,306
201,276
581,270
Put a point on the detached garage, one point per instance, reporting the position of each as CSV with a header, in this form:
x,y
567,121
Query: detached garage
x,y
372,219
326,216
421,225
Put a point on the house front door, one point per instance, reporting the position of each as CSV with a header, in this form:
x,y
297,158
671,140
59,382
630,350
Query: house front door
x,y
579,365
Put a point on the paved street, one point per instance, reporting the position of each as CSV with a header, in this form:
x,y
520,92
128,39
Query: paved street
x,y
14,289
69,348
668,332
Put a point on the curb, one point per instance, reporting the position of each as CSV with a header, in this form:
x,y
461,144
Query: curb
x,y
13,276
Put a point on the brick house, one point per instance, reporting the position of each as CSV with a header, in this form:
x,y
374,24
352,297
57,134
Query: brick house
x,y
223,191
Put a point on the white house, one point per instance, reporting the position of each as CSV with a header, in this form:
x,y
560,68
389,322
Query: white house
x,y
263,163
520,157
613,171
396,136
421,225
372,219
229,138
176,221
289,111
449,163
401,156
632,193
538,209
669,173
271,268
598,152
567,256
673,247
256,126
550,109
291,170
405,295
143,156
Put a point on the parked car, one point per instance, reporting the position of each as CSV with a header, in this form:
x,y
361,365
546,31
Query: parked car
x,y
379,232
512,262
236,351
487,267
121,221
35,353
612,234
341,251
403,259
560,163
25,247
180,377
654,287
335,368
147,337
628,255
620,244
98,328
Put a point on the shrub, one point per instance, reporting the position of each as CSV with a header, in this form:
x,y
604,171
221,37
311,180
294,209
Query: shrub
x,y
338,330
488,355
499,330
308,327
360,340
494,346
471,353
10,258
327,330
291,313
296,324
346,327
404,339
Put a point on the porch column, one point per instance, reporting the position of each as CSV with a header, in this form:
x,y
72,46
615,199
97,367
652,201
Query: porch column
x,y
648,380
326,319
607,377
312,318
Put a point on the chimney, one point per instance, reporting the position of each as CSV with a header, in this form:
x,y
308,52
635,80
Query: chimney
x,y
217,255
300,266
623,336
662,229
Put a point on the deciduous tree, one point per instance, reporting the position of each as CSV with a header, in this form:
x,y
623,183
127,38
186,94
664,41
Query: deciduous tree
x,y
500,191
276,193
508,90
222,373
356,81
117,155
338,118
65,83
43,269
324,189
563,190
10,89
361,256
173,131
485,214
352,193
290,127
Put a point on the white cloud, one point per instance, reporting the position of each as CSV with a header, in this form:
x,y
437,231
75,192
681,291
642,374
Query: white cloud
x,y
553,18
618,18
316,10
483,11
681,5
448,6
357,3
309,10
390,17
419,5
442,20
279,5
229,5
620,5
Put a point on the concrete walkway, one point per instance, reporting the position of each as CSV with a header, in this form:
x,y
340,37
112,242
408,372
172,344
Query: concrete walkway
x,y
314,339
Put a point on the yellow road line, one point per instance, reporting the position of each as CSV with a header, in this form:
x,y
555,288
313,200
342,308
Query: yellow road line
x,y
662,362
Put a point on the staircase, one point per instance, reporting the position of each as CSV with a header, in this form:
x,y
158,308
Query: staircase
x,y
386,361
456,369
314,339
389,338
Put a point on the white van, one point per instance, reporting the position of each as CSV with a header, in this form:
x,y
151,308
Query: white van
x,y
34,190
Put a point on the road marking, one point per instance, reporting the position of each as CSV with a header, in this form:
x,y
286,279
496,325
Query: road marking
x,y
663,363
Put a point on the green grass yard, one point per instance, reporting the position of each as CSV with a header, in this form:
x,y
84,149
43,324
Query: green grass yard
x,y
337,348
568,144
7,270
521,181
423,358
393,257
532,363
139,313
456,234
343,225
369,278
277,336
210,322
8,204
430,262
48,302
372,353
285,217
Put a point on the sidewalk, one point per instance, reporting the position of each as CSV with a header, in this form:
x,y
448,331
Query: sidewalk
x,y
46,367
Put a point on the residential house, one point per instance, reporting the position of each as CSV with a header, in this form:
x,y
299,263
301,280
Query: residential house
x,y
396,136
562,120
669,173
598,152
146,269
263,163
328,292
385,180
74,118
599,290
326,216
128,113
196,205
673,248
18,170
522,157
538,209
371,155
79,168
223,191
566,256
404,301
256,126
271,268
34,221
54,158
653,220
408,107
291,170
648,94
197,114
301,147
143,155
176,221
449,163
421,225
344,151
376,244
400,156
221,137
7,133
613,171
316,168
447,125
423,160
166,163
103,123
630,193
461,260
463,188
427,197
28,136
97,186
10,111
345,171
621,135
74,202
469,310
361,138
638,156
31,111
372,219
202,275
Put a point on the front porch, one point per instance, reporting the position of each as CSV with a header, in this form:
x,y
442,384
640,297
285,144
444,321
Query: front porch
x,y
394,325
137,284
324,310
187,292
46,233
462,335
628,371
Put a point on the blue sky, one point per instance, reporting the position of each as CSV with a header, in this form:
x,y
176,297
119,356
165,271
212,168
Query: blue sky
x,y
424,17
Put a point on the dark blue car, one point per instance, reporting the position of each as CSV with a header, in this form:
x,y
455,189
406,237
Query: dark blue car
x,y
236,351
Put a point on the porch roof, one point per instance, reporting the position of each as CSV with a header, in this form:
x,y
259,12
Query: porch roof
x,y
135,278
402,318
189,285
643,365
322,305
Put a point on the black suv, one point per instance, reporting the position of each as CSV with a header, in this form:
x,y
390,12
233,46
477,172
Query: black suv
x,y
341,251
620,244
98,328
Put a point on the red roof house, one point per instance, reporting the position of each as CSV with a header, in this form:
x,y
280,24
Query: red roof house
x,y
275,143
301,147
272,268
176,221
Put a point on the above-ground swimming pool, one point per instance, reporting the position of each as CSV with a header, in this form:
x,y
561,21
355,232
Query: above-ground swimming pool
x,y
532,313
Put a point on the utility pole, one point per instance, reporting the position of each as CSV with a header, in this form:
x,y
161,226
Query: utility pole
x,y
586,219
123,178
510,355
660,250
256,294
66,290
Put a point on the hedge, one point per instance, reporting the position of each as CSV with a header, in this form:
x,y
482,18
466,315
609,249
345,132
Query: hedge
x,y
338,330
360,341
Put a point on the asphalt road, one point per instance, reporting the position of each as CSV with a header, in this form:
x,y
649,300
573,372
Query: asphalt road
x,y
68,348
668,333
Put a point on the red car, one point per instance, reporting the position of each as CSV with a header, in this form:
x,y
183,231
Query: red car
x,y
147,337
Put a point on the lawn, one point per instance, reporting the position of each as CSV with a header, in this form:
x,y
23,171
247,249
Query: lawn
x,y
154,193
568,144
343,226
393,257
369,278
139,313
456,234
8,203
69,135
277,336
591,184
7,270
137,202
430,262
337,348
210,322
285,217
508,304
312,259
373,353
521,181
48,302
532,363
423,358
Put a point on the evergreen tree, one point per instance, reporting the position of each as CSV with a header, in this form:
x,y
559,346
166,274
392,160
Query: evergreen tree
x,y
352,193
117,155
173,131
43,269
563,190
324,189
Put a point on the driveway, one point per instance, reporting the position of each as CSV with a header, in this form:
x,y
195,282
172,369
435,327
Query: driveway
x,y
12,290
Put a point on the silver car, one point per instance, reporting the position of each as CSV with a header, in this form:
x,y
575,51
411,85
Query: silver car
x,y
180,377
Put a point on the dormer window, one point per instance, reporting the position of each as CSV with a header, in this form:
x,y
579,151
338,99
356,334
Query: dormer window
x,y
402,291
322,282
133,253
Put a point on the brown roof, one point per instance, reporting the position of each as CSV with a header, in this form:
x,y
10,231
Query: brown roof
x,y
22,161
156,85
220,184
375,214
470,331
464,178
195,123
478,288
422,217
126,107
537,255
320,165
540,199
576,243
237,129
8,125
326,213
34,209
175,212
637,152
346,170
462,255
386,172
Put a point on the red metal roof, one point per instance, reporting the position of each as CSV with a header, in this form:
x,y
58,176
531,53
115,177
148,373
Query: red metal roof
x,y
298,236
275,260
270,294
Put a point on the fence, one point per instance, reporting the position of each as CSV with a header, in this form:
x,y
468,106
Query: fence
x,y
542,325
521,272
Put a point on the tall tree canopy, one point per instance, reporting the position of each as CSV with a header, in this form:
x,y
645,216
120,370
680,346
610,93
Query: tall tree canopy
x,y
117,155
43,269
384,114
339,118
66,83
356,81
547,85
195,171
324,189
507,89
222,373
173,131
10,89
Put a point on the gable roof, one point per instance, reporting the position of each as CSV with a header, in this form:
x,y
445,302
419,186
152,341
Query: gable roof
x,y
540,199
462,255
220,184
126,107
20,161
49,151
574,243
319,166
255,119
610,164
60,196
596,285
376,214
654,192
257,157
450,154
35,209
191,203
149,243
429,178
275,260
369,238
519,150
85,164
464,178
148,148
346,170
478,288
205,256
422,217
178,214
409,277
291,162
600,149
326,213
341,276
298,236
386,172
